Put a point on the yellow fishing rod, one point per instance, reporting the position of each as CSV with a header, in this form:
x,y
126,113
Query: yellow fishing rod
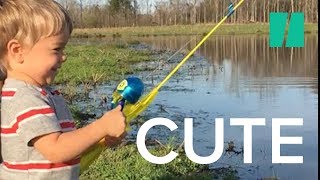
x,y
133,110
129,91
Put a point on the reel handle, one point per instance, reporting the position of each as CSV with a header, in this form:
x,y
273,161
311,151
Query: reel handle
x,y
121,103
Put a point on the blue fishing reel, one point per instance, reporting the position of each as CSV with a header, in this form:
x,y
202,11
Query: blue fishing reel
x,y
128,91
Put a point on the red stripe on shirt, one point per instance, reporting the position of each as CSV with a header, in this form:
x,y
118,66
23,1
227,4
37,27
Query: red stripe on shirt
x,y
43,92
41,165
24,116
67,125
8,93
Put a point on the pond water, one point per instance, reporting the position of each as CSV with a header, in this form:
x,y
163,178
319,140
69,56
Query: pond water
x,y
236,77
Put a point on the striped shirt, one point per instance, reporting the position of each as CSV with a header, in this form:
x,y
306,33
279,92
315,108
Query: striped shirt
x,y
28,112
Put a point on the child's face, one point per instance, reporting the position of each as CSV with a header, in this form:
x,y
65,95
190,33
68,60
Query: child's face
x,y
42,61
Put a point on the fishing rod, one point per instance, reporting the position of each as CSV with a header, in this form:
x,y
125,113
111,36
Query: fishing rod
x,y
131,111
128,93
183,47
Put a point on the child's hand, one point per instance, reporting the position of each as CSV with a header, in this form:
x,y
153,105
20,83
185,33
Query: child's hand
x,y
110,141
115,122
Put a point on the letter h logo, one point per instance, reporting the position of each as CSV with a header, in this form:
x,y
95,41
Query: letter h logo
x,y
278,23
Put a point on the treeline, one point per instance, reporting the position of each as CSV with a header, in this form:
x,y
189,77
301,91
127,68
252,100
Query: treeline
x,y
124,13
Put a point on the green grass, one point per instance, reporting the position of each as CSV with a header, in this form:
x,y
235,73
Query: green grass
x,y
198,29
126,163
98,63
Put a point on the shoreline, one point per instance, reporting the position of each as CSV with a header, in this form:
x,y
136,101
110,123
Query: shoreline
x,y
198,29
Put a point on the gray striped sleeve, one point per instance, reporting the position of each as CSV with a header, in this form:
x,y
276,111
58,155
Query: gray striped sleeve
x,y
34,115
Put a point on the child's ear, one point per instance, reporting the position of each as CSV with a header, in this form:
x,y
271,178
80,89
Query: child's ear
x,y
15,50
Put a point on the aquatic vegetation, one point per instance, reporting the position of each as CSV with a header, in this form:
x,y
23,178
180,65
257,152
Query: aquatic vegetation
x,y
125,162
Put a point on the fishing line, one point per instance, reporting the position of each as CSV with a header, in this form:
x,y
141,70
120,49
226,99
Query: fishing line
x,y
167,60
133,110
162,62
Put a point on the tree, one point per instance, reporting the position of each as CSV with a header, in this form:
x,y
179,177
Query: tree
x,y
108,13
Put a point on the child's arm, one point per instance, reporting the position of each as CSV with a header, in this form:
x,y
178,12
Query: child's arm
x,y
62,147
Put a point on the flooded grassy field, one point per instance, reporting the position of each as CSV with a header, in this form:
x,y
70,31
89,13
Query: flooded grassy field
x,y
228,77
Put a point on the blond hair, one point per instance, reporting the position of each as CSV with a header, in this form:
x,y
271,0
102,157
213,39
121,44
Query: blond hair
x,y
28,21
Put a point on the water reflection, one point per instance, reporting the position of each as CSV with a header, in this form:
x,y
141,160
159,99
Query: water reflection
x,y
243,77
251,57
250,53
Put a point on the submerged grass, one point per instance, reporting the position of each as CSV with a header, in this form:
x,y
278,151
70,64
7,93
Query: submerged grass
x,y
98,63
126,163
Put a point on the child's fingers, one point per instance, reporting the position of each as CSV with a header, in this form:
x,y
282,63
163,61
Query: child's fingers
x,y
118,108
